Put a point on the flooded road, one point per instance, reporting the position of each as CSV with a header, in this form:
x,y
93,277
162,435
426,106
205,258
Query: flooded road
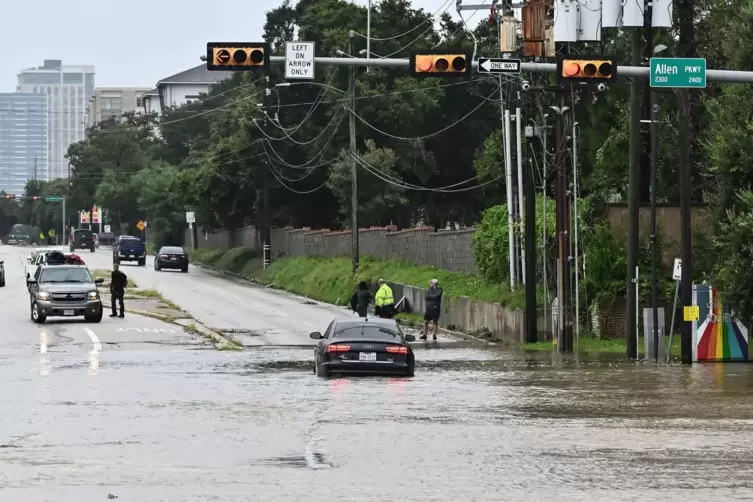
x,y
158,416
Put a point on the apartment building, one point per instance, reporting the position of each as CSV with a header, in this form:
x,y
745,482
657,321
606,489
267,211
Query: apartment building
x,y
109,103
68,89
23,140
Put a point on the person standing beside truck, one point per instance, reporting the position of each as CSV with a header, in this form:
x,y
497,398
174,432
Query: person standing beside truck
x,y
118,282
433,308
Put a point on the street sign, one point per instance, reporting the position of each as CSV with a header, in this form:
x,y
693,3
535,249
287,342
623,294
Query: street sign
x,y
677,270
107,229
299,60
691,313
489,65
190,217
53,199
141,225
678,72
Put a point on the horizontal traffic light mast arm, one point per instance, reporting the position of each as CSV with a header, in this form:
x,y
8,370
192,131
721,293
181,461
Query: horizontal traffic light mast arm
x,y
622,71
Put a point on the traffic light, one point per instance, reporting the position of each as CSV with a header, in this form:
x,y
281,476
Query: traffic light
x,y
426,64
238,56
10,196
36,197
593,70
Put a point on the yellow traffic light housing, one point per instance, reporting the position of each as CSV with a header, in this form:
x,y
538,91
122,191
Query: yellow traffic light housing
x,y
238,56
428,64
595,70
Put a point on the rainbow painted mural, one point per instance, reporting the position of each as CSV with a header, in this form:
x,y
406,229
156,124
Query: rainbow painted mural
x,y
717,335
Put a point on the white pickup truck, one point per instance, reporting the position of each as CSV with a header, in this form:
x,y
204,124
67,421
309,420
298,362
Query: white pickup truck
x,y
36,258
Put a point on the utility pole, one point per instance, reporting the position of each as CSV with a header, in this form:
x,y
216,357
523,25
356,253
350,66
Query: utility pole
x,y
266,219
654,251
62,220
686,245
353,153
530,256
633,199
564,329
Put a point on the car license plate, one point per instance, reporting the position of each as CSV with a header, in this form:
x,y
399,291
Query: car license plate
x,y
132,256
173,258
367,356
69,312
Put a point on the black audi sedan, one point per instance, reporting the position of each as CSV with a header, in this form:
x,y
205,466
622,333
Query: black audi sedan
x,y
363,346
171,257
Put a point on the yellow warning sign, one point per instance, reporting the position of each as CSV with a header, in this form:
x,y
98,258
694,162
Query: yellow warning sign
x,y
140,225
691,313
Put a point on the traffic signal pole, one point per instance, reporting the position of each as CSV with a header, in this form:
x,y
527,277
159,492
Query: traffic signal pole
x,y
62,224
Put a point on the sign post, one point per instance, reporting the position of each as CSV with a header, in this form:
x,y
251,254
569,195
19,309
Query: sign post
x,y
299,60
677,276
191,219
678,73
498,65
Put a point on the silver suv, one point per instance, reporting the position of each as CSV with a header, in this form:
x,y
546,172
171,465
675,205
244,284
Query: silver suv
x,y
64,291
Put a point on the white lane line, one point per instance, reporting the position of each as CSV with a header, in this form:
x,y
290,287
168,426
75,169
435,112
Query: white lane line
x,y
42,342
284,315
256,305
95,341
309,324
237,297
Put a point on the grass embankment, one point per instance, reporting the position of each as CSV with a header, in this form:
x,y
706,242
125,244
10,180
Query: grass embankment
x,y
593,345
331,280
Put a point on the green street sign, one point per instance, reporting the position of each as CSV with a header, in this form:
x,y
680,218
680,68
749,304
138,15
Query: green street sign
x,y
678,72
53,199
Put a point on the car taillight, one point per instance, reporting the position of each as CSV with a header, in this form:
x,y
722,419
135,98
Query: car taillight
x,y
163,256
338,348
397,350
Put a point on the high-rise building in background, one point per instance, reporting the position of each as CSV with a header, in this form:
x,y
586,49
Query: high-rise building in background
x,y
113,102
24,121
68,90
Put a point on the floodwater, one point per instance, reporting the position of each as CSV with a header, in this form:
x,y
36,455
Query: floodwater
x,y
136,410
198,424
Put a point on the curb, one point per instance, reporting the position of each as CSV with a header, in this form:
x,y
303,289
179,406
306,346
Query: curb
x,y
220,342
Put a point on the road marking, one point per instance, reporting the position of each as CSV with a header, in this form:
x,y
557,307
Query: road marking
x,y
284,315
237,297
42,342
256,305
309,324
95,341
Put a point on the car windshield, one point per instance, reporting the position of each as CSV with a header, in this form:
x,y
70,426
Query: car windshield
x,y
172,250
369,331
130,241
65,275
83,233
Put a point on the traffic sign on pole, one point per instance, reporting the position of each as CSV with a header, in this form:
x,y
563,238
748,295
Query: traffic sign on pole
x,y
190,217
299,60
498,65
678,72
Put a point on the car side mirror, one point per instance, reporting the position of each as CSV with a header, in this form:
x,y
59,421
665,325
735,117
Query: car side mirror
x,y
410,338
315,335
31,280
99,280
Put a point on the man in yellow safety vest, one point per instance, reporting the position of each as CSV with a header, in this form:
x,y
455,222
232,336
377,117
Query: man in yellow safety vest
x,y
385,301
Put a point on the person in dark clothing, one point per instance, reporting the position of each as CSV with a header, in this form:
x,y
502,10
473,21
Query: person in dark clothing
x,y
433,308
118,282
360,300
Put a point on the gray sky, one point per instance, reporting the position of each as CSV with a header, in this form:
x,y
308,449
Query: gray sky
x,y
124,40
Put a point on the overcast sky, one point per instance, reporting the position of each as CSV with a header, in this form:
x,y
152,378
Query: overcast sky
x,y
132,43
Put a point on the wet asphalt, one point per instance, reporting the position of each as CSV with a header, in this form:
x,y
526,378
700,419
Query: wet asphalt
x,y
136,409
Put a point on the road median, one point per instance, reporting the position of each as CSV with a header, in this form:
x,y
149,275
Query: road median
x,y
151,303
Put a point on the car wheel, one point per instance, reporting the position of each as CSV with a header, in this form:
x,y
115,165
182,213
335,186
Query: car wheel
x,y
92,249
142,263
2,282
184,270
410,372
156,267
95,318
36,315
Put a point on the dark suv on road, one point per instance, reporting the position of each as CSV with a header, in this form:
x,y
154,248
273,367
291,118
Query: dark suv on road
x,y
82,238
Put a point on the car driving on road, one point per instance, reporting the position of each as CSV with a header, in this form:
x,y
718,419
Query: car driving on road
x,y
363,346
171,257
129,248
82,238
64,291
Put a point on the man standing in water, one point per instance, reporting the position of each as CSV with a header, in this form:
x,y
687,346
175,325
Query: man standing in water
x,y
385,301
433,308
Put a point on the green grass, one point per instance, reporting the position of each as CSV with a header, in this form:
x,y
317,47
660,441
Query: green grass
x,y
331,280
593,345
